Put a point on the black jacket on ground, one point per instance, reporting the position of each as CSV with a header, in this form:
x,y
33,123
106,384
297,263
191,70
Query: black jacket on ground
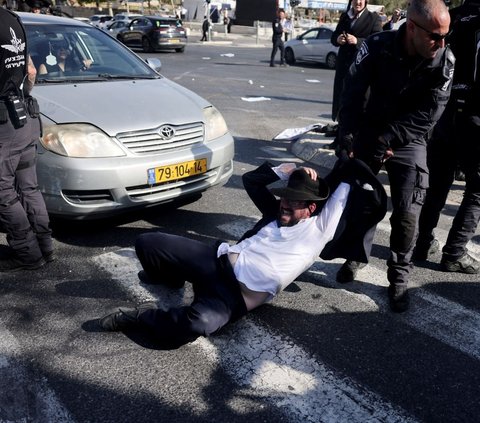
x,y
365,208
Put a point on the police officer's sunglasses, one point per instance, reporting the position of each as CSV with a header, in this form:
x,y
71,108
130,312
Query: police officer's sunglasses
x,y
434,36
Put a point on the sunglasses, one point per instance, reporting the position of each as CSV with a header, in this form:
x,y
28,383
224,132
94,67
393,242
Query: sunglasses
x,y
434,36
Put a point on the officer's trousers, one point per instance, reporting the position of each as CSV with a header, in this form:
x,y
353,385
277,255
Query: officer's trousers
x,y
455,142
408,177
217,297
23,214
278,45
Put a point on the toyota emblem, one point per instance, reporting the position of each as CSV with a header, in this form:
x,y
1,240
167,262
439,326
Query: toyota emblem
x,y
167,132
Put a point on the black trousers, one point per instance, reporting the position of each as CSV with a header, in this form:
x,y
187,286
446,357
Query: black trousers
x,y
455,142
217,297
278,45
23,214
408,177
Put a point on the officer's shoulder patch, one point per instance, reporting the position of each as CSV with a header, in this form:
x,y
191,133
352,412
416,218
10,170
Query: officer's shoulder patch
x,y
362,53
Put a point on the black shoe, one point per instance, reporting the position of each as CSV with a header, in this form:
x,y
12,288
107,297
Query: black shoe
x,y
465,264
124,318
14,265
398,298
171,283
423,251
272,65
49,256
349,270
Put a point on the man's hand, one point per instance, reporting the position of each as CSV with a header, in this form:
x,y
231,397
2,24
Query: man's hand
x,y
31,75
312,172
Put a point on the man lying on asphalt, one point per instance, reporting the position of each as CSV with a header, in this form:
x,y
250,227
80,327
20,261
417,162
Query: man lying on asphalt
x,y
230,280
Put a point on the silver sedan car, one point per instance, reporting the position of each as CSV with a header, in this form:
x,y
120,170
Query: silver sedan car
x,y
116,134
312,46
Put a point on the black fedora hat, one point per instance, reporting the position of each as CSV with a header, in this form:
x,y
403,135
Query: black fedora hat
x,y
302,187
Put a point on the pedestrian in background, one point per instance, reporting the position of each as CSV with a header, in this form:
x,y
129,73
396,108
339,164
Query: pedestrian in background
x,y
205,29
278,27
23,214
354,25
408,75
456,140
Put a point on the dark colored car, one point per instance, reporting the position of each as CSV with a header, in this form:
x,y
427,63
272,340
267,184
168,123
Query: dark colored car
x,y
155,33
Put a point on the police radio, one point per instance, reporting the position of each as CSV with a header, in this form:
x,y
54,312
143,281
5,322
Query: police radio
x,y
16,108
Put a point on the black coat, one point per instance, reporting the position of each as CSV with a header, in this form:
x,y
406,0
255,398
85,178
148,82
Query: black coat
x,y
368,23
354,235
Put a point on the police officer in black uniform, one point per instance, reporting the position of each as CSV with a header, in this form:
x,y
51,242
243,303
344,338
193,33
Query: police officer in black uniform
x,y
456,140
23,215
277,39
408,74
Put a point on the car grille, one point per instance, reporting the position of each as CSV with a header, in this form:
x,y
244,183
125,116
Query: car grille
x,y
152,141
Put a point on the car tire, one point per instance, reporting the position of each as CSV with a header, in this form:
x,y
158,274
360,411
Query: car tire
x,y
120,38
331,61
180,50
289,56
146,45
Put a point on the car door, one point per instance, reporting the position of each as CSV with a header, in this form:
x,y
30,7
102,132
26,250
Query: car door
x,y
322,44
133,37
305,48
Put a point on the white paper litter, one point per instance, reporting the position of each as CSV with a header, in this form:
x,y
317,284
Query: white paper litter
x,y
313,81
294,133
252,99
227,55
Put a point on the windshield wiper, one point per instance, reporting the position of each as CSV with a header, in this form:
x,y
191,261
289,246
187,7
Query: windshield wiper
x,y
110,76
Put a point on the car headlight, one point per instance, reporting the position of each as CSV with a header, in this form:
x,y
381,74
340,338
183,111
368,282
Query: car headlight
x,y
79,140
215,125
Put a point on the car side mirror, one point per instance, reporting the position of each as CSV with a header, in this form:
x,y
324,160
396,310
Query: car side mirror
x,y
154,63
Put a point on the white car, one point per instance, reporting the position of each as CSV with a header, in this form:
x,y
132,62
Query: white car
x,y
100,20
312,46
117,135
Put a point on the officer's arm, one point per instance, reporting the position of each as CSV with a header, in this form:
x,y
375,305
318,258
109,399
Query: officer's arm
x,y
256,182
356,84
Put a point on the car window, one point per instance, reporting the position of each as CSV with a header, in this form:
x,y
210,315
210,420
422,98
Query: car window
x,y
109,58
137,23
310,35
168,23
324,34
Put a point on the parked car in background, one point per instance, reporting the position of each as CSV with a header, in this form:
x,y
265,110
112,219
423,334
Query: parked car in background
x,y
155,33
100,155
312,46
95,20
125,17
116,27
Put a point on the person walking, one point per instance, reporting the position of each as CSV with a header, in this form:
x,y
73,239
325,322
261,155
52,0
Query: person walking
x,y
230,280
408,74
23,214
354,25
455,141
205,29
279,28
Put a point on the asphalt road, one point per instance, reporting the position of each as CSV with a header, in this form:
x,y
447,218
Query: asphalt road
x,y
320,352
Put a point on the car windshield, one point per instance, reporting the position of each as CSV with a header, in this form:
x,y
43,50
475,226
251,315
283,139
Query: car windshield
x,y
77,45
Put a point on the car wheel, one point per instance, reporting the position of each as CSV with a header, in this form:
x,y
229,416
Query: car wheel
x,y
289,56
331,60
120,38
180,50
146,46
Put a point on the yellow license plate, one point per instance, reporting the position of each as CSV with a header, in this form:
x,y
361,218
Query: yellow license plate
x,y
176,171
173,40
